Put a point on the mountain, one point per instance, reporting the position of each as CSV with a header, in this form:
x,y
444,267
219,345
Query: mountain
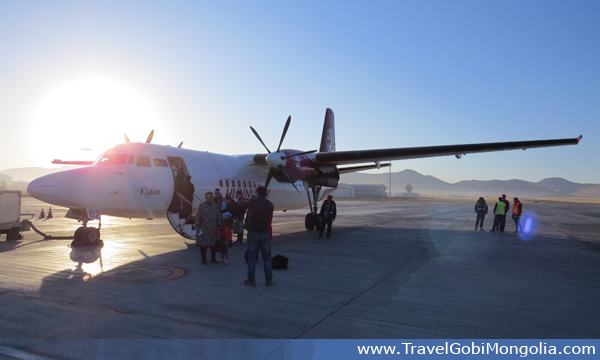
x,y
31,173
430,186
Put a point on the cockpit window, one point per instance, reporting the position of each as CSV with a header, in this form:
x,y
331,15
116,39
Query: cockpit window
x,y
131,157
143,161
113,159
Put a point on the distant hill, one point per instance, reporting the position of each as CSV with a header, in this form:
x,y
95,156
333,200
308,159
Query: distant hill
x,y
430,186
31,173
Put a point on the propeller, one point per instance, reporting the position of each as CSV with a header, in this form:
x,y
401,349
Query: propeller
x,y
148,140
275,159
150,137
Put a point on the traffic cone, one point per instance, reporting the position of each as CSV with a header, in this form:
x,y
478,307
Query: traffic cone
x,y
50,213
42,215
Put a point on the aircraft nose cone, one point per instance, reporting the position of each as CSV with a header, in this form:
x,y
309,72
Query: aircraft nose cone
x,y
43,188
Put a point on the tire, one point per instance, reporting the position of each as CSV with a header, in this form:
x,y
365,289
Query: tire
x,y
13,234
77,236
309,222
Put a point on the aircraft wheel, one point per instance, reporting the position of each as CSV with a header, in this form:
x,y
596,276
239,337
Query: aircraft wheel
x,y
309,222
91,235
77,236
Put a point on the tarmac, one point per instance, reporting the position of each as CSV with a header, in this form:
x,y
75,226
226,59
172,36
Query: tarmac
x,y
391,270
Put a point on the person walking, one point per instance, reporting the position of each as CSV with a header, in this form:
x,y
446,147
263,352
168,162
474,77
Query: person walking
x,y
260,211
327,214
481,209
499,214
506,209
516,215
208,224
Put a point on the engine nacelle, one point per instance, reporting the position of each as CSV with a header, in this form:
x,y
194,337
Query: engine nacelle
x,y
327,176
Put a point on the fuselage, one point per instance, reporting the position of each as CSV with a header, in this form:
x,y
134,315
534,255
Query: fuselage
x,y
135,180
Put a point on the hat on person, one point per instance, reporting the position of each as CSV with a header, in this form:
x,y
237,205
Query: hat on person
x,y
217,190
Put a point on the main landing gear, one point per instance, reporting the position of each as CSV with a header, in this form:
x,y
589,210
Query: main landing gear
x,y
312,219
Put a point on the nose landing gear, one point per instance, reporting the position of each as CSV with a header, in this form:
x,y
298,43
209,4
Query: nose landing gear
x,y
84,235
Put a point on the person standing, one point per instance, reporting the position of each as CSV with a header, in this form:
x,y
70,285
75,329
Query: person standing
x,y
239,217
506,208
208,224
499,214
516,215
328,213
219,198
260,211
481,209
187,191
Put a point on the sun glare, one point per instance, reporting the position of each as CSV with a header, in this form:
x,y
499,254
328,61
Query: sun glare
x,y
92,113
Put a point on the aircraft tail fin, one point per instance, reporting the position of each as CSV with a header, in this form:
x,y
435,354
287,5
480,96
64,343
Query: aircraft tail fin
x,y
328,136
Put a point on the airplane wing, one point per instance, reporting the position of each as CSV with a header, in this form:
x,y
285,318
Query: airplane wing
x,y
63,162
363,156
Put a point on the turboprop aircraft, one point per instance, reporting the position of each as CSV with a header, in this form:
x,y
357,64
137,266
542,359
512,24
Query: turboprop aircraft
x,y
137,180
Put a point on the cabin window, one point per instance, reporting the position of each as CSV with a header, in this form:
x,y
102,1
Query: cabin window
x,y
244,184
113,159
161,162
239,184
143,161
254,184
131,158
227,183
221,182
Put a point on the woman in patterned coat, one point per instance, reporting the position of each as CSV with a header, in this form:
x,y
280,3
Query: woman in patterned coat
x,y
209,221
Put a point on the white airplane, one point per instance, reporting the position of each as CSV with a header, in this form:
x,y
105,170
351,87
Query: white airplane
x,y
136,180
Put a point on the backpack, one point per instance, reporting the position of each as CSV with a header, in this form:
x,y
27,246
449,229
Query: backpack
x,y
279,262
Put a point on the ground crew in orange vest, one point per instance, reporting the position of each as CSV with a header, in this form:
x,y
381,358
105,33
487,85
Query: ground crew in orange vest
x,y
499,215
516,215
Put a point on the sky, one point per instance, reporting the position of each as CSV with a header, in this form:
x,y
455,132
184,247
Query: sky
x,y
78,75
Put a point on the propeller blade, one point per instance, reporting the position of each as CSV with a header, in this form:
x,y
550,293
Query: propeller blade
x,y
285,129
126,138
298,154
287,176
269,176
259,139
150,137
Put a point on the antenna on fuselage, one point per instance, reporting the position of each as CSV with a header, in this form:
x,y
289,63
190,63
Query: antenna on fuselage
x,y
126,138
180,144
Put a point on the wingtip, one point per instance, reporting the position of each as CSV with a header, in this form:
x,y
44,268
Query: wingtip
x,y
580,137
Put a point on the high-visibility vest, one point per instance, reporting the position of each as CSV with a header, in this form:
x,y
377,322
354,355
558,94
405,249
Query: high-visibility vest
x,y
500,208
516,208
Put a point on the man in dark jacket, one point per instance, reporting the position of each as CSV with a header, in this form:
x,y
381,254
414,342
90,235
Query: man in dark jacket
x,y
260,211
481,209
327,214
187,191
239,216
